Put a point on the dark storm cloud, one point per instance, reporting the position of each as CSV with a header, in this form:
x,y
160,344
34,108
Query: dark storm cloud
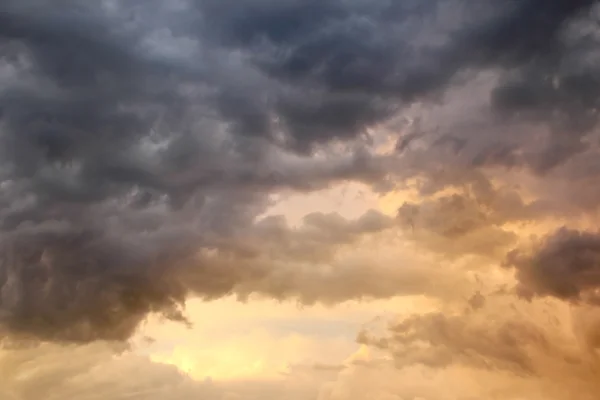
x,y
140,140
364,59
565,264
350,45
116,172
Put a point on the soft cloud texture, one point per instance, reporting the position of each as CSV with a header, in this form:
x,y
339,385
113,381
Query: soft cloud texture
x,y
134,143
145,146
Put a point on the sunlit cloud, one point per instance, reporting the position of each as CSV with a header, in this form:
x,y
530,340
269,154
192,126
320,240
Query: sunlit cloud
x,y
300,200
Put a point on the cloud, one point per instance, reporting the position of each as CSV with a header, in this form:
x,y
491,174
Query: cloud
x,y
84,285
144,145
96,372
140,142
562,265
505,348
93,372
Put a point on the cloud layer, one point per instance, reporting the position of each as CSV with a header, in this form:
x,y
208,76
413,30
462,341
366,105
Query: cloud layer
x,y
140,144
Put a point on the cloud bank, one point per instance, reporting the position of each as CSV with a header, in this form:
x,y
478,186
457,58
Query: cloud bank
x,y
141,144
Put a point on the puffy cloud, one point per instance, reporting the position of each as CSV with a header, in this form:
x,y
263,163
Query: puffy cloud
x,y
141,144
562,265
141,141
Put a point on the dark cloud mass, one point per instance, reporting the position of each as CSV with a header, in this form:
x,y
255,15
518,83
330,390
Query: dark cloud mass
x,y
564,264
139,142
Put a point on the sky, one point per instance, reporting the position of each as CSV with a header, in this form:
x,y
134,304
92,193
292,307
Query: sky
x,y
299,199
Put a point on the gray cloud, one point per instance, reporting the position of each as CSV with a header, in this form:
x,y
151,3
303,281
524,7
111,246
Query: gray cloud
x,y
564,264
139,141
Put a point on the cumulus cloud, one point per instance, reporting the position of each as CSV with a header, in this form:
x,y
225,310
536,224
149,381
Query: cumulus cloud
x,y
564,265
140,143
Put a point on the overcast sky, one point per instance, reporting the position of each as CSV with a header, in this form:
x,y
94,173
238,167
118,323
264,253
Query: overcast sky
x,y
299,199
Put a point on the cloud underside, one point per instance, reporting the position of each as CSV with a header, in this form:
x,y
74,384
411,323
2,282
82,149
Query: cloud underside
x,y
141,144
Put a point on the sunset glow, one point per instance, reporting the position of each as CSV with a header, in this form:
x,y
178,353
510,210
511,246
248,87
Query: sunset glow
x,y
299,199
